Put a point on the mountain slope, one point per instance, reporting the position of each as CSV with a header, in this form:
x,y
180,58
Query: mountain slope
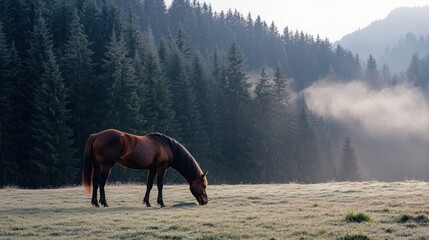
x,y
386,33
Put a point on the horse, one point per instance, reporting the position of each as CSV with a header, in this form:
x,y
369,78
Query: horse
x,y
155,152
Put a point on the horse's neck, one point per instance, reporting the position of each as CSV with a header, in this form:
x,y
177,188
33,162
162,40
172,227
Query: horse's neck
x,y
183,167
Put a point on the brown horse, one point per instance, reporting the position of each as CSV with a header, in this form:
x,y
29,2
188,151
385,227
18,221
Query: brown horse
x,y
154,151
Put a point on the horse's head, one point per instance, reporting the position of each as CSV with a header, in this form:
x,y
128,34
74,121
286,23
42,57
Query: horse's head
x,y
198,189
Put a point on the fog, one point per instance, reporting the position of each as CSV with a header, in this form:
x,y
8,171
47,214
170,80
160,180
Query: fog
x,y
389,127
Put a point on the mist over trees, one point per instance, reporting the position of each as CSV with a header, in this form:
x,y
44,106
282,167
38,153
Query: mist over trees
x,y
72,68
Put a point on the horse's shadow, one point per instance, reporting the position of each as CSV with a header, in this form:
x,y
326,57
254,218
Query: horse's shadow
x,y
184,204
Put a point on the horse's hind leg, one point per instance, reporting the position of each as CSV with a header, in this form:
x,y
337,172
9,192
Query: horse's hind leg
x,y
105,171
95,181
149,185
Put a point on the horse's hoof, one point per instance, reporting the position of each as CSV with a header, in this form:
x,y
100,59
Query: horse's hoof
x,y
104,203
95,204
161,205
146,203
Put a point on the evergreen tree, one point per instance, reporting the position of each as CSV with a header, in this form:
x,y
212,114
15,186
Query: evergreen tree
x,y
89,14
215,131
184,98
264,103
306,152
122,102
280,84
31,71
133,36
205,93
51,155
371,69
282,120
158,105
323,135
9,64
238,121
349,168
77,72
413,72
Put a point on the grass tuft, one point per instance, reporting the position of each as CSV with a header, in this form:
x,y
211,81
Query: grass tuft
x,y
354,237
405,218
408,218
357,218
421,219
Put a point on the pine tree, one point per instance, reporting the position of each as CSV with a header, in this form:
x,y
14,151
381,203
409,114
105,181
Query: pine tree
x,y
51,155
371,69
349,168
159,115
9,65
413,72
280,84
89,14
281,120
122,102
238,121
133,36
264,103
184,98
77,71
306,152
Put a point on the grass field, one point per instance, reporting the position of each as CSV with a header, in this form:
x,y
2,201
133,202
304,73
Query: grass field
x,y
277,211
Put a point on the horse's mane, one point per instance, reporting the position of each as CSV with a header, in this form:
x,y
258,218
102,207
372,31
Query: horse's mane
x,y
183,161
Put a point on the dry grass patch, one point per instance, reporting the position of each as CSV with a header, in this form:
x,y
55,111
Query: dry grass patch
x,y
354,237
357,217
271,211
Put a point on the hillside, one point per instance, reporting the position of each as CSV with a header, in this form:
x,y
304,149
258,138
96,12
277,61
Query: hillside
x,y
386,33
396,210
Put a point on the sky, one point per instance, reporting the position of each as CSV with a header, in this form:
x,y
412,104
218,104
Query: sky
x,y
328,18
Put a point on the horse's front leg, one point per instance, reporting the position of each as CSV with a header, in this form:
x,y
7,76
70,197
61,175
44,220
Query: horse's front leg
x,y
149,185
160,183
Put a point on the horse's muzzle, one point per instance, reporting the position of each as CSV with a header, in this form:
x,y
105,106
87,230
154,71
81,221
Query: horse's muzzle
x,y
203,202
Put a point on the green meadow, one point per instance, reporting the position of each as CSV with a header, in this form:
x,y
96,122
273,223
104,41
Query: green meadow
x,y
347,210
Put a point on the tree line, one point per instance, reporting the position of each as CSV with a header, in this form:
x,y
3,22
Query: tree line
x,y
72,68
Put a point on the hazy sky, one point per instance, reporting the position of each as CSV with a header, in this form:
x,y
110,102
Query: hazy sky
x,y
329,18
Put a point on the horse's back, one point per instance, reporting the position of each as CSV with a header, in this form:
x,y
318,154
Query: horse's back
x,y
144,152
110,132
132,151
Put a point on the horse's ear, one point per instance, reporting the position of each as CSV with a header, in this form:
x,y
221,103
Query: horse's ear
x,y
204,174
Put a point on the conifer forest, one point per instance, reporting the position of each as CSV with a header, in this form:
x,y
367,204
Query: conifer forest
x,y
227,85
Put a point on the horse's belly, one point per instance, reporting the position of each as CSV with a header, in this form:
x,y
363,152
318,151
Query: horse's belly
x,y
133,164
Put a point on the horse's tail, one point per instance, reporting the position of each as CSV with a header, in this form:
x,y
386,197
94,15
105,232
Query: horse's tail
x,y
88,159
